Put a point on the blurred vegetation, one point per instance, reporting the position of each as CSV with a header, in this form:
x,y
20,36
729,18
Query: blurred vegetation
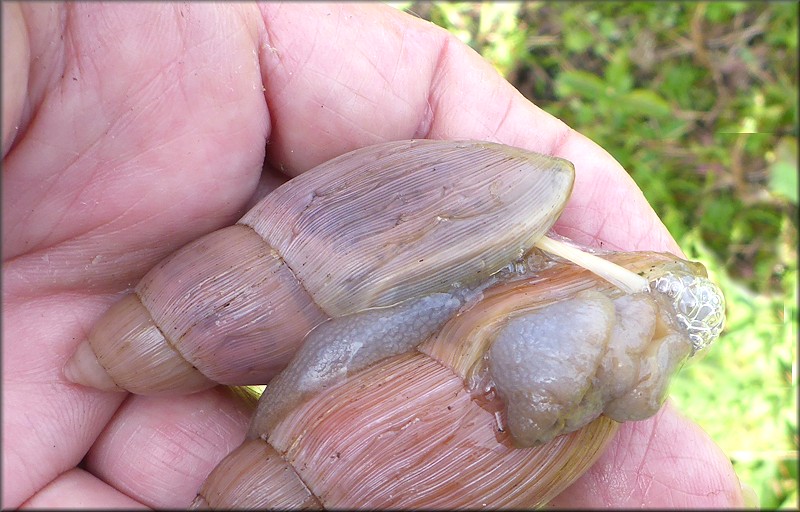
x,y
698,101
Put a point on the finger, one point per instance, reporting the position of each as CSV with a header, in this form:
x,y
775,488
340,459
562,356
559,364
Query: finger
x,y
103,180
79,490
358,74
16,53
150,131
160,450
48,424
666,461
118,161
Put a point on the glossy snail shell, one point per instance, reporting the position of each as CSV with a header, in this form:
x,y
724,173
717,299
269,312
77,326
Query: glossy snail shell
x,y
411,271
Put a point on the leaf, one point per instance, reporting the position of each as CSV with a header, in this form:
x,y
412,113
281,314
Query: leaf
x,y
618,71
581,83
783,171
646,102
577,40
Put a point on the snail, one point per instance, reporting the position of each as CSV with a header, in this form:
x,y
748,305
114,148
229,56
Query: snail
x,y
425,340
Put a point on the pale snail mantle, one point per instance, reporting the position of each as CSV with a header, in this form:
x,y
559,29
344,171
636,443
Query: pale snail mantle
x,y
432,346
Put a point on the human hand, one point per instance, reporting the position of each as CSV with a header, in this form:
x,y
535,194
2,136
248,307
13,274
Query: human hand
x,y
131,130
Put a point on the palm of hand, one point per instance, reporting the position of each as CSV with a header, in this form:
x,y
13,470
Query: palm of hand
x,y
142,128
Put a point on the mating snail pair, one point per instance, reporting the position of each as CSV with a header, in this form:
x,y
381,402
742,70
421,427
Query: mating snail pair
x,y
442,350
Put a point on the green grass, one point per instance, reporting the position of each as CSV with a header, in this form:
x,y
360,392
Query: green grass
x,y
698,101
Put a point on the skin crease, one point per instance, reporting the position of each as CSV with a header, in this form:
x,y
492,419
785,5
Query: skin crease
x,y
129,130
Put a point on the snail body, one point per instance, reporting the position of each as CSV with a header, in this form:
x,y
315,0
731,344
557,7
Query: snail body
x,y
425,343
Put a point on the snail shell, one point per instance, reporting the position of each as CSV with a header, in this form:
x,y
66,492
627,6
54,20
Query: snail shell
x,y
370,228
410,270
